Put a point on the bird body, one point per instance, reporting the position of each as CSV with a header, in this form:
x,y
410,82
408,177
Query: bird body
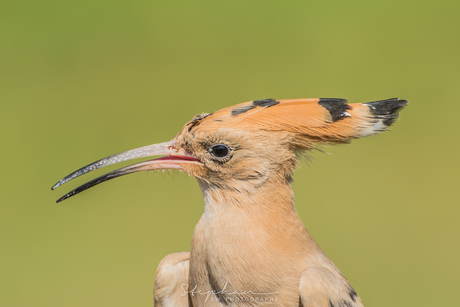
x,y
246,252
250,247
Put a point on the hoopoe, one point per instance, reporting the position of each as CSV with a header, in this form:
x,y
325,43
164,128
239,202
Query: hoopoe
x,y
250,247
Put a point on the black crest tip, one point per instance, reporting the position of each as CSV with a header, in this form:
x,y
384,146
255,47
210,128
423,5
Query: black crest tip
x,y
387,109
387,106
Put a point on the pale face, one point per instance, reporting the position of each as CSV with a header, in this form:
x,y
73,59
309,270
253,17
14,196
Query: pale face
x,y
235,158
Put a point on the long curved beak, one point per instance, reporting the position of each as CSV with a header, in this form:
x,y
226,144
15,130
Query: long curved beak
x,y
174,159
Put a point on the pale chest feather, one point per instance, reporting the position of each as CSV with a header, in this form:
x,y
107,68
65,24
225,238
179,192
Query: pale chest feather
x,y
240,254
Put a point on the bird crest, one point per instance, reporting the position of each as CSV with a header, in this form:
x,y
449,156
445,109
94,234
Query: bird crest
x,y
309,121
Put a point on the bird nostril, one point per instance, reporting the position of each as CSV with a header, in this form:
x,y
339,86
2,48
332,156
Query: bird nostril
x,y
220,150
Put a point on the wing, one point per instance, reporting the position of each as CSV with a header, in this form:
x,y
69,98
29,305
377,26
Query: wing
x,y
322,287
171,281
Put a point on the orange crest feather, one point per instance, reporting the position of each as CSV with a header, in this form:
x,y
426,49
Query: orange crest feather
x,y
309,120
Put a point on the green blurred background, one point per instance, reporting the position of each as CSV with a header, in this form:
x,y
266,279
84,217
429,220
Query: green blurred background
x,y
80,80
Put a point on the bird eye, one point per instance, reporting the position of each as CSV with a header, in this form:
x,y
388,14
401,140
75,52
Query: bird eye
x,y
219,150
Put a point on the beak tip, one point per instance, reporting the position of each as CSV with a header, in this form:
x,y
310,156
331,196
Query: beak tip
x,y
62,198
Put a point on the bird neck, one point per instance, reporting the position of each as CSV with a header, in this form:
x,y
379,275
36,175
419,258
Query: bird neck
x,y
255,228
273,197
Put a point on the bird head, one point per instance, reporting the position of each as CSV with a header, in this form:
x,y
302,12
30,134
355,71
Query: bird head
x,y
247,145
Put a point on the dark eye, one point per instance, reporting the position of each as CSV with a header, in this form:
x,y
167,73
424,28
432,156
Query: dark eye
x,y
219,150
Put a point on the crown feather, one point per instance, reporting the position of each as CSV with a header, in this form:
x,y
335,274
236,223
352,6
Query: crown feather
x,y
310,121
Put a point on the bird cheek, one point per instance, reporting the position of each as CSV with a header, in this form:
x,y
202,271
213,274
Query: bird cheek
x,y
255,174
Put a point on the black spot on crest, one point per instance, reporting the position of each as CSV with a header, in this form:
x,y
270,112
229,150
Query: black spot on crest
x,y
265,102
341,100
337,107
241,110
